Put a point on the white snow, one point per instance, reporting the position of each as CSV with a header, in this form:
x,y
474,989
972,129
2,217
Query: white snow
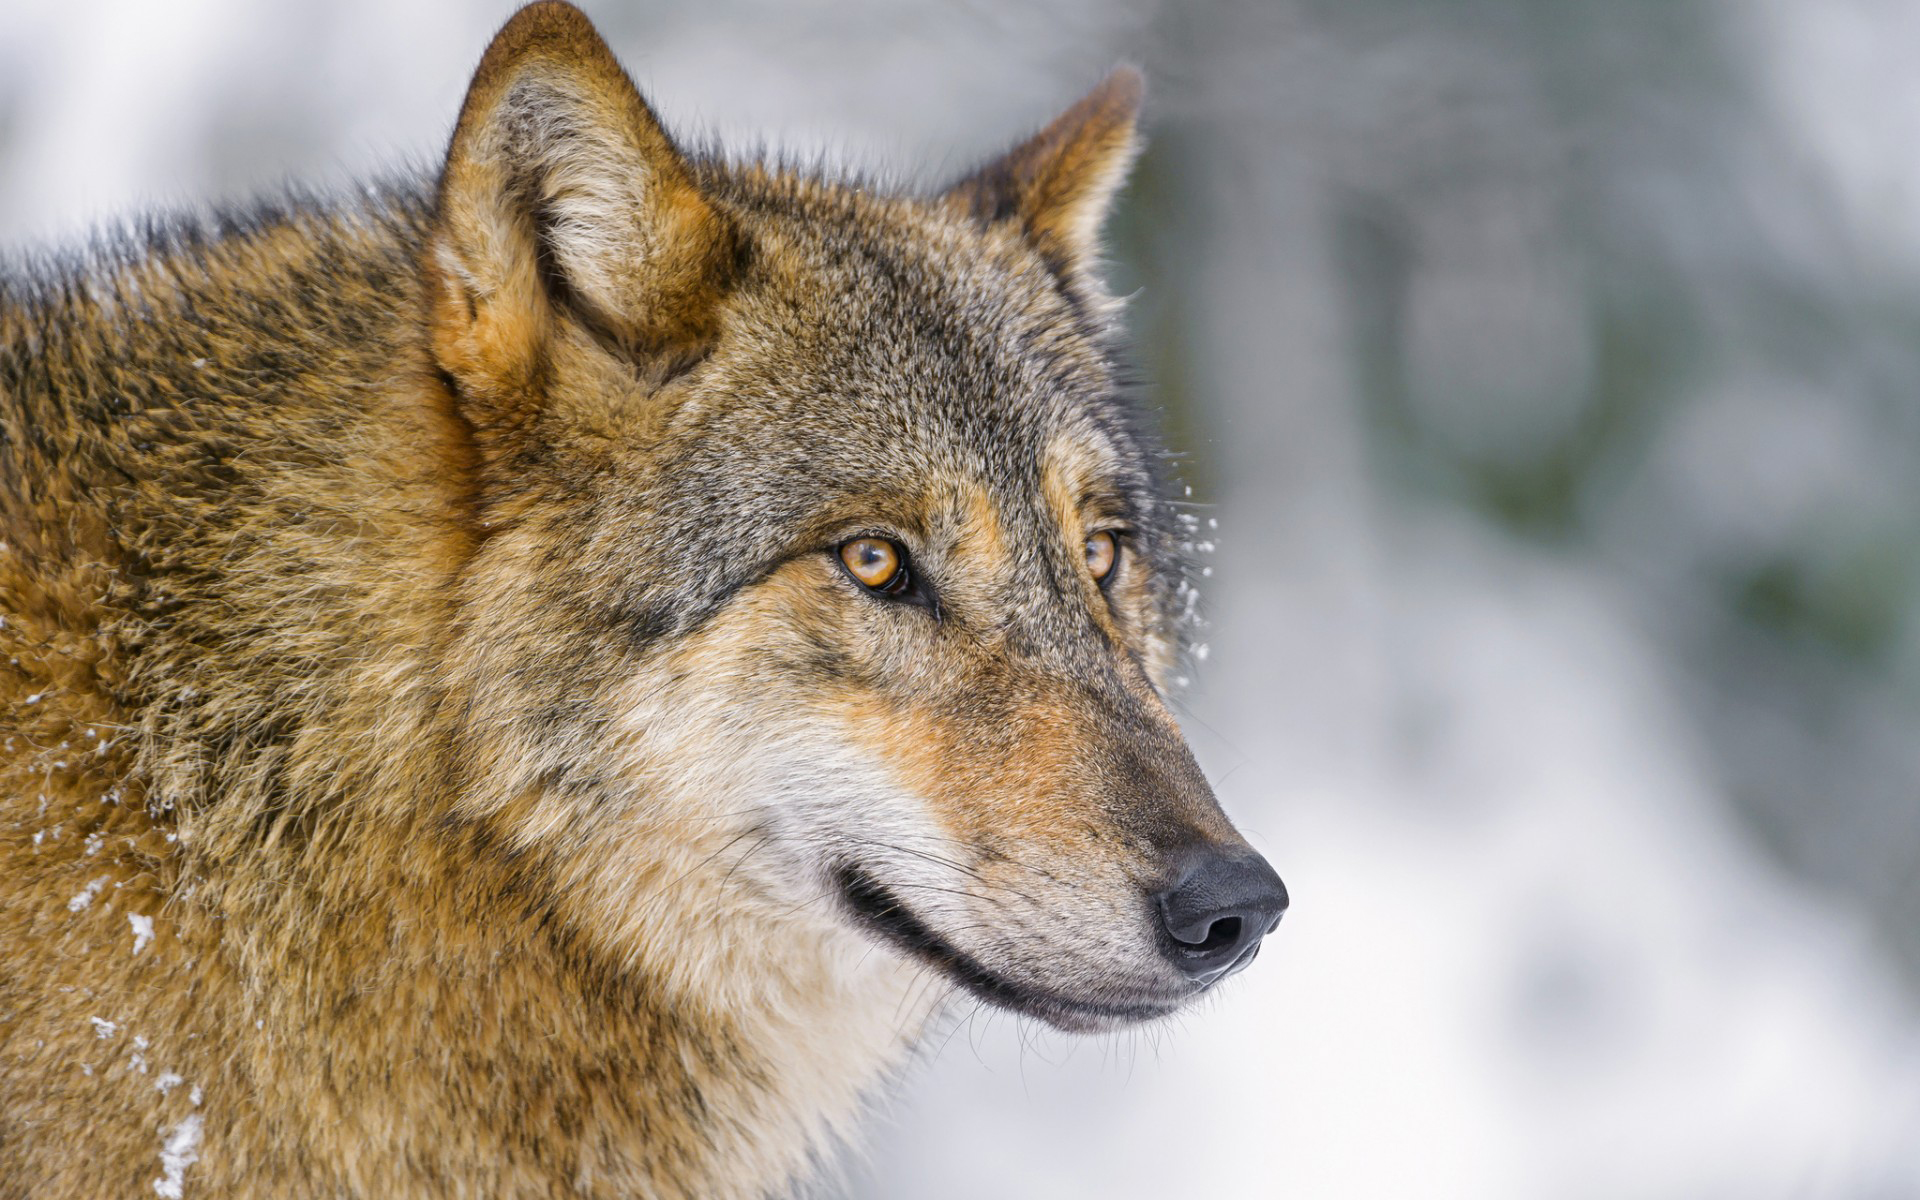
x,y
86,894
103,1028
142,931
182,1150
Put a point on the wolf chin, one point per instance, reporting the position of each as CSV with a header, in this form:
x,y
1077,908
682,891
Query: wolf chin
x,y
543,681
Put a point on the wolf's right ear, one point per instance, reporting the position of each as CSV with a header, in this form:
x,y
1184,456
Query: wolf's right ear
x,y
563,199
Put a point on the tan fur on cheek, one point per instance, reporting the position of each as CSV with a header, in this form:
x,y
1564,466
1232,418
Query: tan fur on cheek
x,y
1005,781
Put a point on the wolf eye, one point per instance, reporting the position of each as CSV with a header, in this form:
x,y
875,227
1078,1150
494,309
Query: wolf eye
x,y
877,564
1103,550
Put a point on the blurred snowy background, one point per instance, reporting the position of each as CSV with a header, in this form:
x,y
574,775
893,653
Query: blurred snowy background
x,y
1552,368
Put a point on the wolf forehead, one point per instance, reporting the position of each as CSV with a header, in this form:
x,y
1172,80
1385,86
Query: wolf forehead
x,y
882,361
939,339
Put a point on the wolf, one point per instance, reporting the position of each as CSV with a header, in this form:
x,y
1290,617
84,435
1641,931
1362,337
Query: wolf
x,y
547,680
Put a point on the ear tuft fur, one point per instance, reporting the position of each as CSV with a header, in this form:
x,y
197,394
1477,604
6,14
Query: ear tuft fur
x,y
1060,183
564,199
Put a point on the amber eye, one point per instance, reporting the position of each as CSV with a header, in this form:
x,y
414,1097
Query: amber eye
x,y
876,563
1103,549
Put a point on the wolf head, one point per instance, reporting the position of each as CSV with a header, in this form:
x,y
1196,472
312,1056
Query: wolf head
x,y
826,593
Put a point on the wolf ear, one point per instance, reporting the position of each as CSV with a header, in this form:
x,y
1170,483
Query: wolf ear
x,y
1060,183
563,198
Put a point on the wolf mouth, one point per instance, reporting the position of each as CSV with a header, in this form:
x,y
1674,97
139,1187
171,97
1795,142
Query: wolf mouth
x,y
886,915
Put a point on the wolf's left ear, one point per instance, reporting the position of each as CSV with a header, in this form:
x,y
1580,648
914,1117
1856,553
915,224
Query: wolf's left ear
x,y
563,200
1060,183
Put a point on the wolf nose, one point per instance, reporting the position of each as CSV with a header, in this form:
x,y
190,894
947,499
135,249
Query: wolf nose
x,y
1219,910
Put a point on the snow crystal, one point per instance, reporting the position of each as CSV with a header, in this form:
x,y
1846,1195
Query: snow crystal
x,y
103,1028
87,894
181,1151
142,931
94,841
167,1082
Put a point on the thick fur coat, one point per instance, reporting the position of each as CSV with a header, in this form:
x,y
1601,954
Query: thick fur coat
x,y
445,751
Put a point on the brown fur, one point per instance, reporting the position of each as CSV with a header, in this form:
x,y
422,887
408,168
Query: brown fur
x,y
435,729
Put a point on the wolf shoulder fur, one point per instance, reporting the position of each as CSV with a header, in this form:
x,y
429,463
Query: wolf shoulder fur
x,y
447,750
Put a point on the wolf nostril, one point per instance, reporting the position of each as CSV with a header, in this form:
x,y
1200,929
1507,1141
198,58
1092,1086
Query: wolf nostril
x,y
1220,907
1220,934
